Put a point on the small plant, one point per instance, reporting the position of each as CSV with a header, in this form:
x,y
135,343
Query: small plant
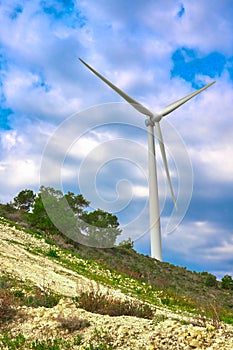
x,y
7,311
215,314
226,316
127,243
17,343
102,339
77,340
72,323
19,294
209,313
159,318
42,299
52,253
166,301
3,282
48,344
101,346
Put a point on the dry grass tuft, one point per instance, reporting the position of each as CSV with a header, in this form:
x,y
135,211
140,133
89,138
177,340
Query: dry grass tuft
x,y
72,323
103,302
7,307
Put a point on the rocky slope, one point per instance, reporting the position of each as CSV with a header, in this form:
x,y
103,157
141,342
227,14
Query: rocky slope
x,y
32,262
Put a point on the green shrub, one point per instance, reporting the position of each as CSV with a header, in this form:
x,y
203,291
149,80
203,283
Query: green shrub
x,y
12,344
42,299
166,301
52,253
19,294
127,244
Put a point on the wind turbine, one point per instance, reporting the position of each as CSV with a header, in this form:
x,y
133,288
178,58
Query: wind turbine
x,y
152,122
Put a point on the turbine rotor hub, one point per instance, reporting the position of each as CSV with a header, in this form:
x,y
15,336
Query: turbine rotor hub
x,y
156,118
149,122
153,120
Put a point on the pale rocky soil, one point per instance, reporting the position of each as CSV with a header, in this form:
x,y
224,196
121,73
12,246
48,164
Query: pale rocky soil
x,y
166,331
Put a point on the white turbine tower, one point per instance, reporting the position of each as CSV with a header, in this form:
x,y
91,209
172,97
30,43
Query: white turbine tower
x,y
151,122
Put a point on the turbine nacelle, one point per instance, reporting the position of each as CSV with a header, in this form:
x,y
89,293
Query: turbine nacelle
x,y
156,117
153,120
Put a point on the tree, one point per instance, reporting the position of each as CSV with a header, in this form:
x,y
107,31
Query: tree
x,y
47,202
24,200
10,212
54,212
103,228
39,217
211,280
76,202
227,282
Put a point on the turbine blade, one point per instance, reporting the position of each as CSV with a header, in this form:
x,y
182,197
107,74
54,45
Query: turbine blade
x,y
170,108
138,106
163,152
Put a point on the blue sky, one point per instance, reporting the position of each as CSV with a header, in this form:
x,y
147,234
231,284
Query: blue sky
x,y
156,51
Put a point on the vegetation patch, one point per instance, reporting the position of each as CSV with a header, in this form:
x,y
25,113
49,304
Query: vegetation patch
x,y
19,342
7,307
72,323
14,292
104,303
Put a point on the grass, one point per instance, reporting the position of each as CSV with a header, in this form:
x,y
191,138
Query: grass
x,y
19,342
40,299
52,253
6,342
14,292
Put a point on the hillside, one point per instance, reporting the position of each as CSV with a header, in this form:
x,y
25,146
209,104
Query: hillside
x,y
58,296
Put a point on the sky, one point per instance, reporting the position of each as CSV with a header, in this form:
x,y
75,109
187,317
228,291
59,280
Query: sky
x,y
61,126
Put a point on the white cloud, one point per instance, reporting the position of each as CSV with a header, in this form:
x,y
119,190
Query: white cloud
x,y
141,191
217,161
193,28
21,152
27,93
200,241
10,140
20,174
200,244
